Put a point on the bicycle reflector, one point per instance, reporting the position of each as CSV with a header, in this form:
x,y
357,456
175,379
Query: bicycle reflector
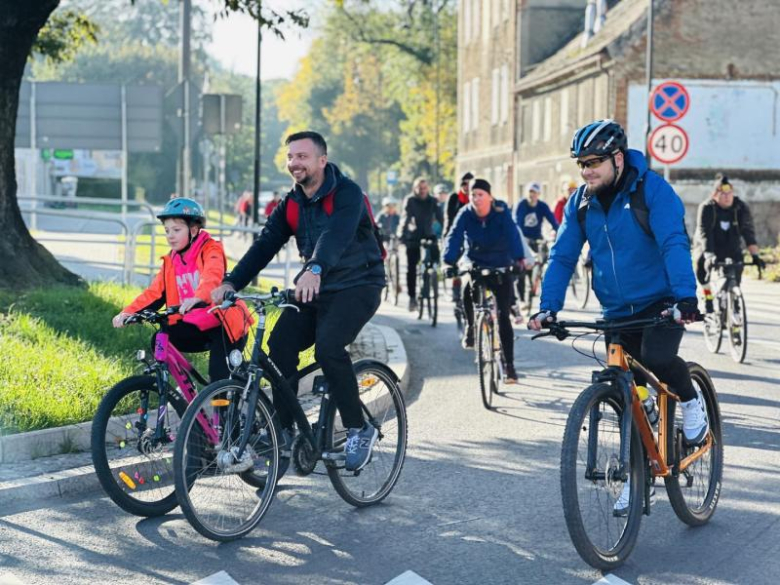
x,y
140,355
236,358
220,402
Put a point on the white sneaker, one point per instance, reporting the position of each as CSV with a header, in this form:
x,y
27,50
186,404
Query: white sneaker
x,y
695,423
620,509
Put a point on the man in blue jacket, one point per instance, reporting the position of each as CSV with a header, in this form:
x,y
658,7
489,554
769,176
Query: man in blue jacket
x,y
339,286
635,274
493,242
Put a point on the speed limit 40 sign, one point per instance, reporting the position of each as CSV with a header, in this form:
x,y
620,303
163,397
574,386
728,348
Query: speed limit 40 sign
x,y
668,144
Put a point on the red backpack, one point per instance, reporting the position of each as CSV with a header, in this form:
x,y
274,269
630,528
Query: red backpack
x,y
293,212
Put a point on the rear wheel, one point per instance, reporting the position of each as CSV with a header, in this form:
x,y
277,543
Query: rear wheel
x,y
603,537
713,328
737,325
433,302
694,493
485,361
383,407
583,284
395,280
134,468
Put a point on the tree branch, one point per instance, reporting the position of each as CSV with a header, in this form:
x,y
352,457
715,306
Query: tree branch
x,y
421,54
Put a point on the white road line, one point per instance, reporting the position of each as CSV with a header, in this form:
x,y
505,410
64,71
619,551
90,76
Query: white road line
x,y
9,579
221,578
409,578
611,579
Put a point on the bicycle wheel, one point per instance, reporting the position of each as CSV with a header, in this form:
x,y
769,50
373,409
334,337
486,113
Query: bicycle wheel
x,y
590,492
422,292
135,470
210,483
383,407
433,301
485,362
713,329
534,277
695,492
395,262
583,284
737,325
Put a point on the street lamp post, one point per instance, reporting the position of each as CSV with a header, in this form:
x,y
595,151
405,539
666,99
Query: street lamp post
x,y
649,71
258,117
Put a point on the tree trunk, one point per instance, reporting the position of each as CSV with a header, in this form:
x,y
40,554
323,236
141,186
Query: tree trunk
x,y
23,261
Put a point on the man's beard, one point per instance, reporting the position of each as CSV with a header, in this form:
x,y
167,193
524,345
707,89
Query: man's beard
x,y
600,190
303,181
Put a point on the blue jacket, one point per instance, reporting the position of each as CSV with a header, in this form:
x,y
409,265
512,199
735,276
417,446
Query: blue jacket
x,y
631,270
529,219
493,241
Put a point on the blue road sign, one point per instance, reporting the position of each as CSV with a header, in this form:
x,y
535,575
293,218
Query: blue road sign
x,y
670,101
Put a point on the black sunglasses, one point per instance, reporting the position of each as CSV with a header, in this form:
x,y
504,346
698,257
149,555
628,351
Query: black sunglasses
x,y
593,162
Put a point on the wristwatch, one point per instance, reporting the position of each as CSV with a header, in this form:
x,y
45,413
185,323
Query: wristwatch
x,y
315,269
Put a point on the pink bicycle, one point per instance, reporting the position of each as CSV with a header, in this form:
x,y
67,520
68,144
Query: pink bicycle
x,y
137,421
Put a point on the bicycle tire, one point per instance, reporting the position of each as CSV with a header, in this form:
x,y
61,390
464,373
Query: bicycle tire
x,y
485,362
381,396
216,505
604,555
584,285
396,262
737,325
713,329
696,509
421,293
114,434
433,302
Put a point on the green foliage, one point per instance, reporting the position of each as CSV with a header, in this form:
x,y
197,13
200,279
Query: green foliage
x,y
64,34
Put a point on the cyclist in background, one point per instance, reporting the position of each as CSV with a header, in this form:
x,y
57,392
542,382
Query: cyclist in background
x,y
722,223
440,192
388,219
189,273
569,187
455,203
635,275
493,242
420,211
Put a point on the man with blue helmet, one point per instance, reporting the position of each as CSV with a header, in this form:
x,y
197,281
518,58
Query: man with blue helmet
x,y
637,272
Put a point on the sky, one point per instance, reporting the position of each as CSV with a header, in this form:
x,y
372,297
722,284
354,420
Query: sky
x,y
234,44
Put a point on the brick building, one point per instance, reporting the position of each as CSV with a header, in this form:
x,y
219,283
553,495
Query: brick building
x,y
562,81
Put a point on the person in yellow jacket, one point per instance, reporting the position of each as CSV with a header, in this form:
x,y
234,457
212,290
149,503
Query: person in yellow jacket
x,y
194,267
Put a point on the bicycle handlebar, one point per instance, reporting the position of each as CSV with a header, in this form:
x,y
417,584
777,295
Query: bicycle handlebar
x,y
155,317
560,329
282,299
482,271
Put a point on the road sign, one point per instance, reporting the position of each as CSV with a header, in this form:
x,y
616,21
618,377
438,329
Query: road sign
x,y
668,144
392,177
670,101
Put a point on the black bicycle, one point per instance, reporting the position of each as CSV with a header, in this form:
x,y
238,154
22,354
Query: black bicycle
x,y
210,474
392,270
729,312
428,282
611,452
535,274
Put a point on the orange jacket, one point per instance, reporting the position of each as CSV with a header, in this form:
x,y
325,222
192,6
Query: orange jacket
x,y
211,265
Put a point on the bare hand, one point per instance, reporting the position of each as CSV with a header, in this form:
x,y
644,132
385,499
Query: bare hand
x,y
119,320
307,287
187,305
218,294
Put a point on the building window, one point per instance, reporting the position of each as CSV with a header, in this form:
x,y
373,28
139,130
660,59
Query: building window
x,y
466,21
504,104
525,126
547,119
565,111
466,109
475,103
536,121
475,11
495,96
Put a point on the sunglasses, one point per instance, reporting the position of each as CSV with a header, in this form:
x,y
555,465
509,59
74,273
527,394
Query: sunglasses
x,y
593,162
725,188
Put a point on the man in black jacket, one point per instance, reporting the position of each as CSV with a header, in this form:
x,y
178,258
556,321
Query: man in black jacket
x,y
420,211
339,286
723,221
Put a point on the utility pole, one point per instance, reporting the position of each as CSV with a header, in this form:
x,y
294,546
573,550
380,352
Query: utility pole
x,y
258,119
649,71
437,45
184,83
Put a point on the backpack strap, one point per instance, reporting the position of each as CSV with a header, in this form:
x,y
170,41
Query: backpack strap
x,y
638,208
582,210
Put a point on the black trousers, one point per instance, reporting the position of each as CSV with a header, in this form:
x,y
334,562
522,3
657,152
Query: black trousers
x,y
413,255
656,349
187,338
331,323
525,275
501,287
703,275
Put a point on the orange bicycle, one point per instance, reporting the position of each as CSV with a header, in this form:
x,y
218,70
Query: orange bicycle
x,y
610,444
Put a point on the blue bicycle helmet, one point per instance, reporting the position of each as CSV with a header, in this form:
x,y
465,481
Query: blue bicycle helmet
x,y
601,138
183,208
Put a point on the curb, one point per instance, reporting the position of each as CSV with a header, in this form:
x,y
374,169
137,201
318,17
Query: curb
x,y
81,480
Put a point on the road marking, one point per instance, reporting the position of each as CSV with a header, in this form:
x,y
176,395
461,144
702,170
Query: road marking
x,y
409,578
9,579
611,579
221,578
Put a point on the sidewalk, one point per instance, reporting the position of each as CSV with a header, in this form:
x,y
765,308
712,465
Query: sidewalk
x,y
33,467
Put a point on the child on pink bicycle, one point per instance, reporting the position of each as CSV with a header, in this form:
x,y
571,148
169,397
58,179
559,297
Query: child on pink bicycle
x,y
195,266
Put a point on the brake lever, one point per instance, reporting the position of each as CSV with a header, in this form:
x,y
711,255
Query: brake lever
x,y
289,306
538,335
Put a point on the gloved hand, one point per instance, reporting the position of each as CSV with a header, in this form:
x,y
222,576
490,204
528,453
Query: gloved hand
x,y
686,310
709,261
450,271
540,318
759,262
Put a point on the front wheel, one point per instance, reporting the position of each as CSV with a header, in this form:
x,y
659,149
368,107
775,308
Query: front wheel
x,y
134,467
383,407
737,325
488,375
602,512
695,491
433,301
212,484
713,329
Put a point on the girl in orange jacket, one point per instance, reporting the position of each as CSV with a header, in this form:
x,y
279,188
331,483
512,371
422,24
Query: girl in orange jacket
x,y
195,266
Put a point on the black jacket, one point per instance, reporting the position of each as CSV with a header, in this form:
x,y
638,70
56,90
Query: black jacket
x,y
454,205
713,239
417,219
343,243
